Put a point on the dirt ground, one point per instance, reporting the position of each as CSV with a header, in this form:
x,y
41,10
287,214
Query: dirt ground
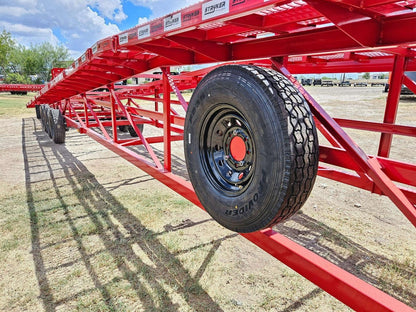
x,y
83,229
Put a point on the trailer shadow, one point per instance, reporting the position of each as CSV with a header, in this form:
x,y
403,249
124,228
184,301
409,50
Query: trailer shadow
x,y
348,255
97,230
52,171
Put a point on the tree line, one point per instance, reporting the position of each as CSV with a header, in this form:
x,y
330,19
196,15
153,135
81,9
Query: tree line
x,y
20,64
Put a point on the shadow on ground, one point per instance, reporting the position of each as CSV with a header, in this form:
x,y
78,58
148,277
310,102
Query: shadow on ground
x,y
57,171
348,255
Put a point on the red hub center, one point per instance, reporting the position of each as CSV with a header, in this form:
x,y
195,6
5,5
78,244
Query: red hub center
x,y
238,148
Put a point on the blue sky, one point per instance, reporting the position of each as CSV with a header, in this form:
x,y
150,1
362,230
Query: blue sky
x,y
78,24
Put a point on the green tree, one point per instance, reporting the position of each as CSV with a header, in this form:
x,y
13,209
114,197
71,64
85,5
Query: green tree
x,y
7,45
366,76
21,62
40,59
17,78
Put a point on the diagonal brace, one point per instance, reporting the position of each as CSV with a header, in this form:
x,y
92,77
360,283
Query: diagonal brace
x,y
370,166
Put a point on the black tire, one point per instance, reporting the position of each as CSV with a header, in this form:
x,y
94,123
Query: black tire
x,y
37,109
50,122
58,127
133,132
43,114
123,128
251,147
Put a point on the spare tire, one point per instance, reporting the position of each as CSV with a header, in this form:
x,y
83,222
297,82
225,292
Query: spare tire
x,y
251,147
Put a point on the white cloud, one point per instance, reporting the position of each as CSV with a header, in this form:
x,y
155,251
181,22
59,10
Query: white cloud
x,y
111,9
14,11
142,20
162,7
77,23
37,35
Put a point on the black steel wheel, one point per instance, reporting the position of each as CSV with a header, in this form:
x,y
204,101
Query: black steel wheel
x,y
229,155
251,147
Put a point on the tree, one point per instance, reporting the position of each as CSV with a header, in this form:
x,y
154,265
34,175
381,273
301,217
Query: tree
x,y
50,56
22,63
40,59
37,61
7,45
366,76
17,78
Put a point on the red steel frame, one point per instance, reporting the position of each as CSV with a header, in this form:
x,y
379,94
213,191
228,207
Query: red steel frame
x,y
292,37
21,87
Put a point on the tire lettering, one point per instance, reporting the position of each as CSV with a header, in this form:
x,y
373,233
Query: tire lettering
x,y
240,210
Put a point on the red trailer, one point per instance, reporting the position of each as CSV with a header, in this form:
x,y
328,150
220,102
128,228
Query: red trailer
x,y
250,130
20,88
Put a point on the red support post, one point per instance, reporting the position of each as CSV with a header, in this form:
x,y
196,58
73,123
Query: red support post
x,y
392,103
113,113
166,120
87,121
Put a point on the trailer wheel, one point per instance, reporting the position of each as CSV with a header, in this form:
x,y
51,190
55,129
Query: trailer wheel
x,y
37,109
251,147
133,132
58,127
123,128
49,118
43,113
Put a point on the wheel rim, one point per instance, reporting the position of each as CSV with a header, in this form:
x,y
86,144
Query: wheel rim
x,y
228,153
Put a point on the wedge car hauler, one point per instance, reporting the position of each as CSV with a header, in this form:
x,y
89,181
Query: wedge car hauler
x,y
250,129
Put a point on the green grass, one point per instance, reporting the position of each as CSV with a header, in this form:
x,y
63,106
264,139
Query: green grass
x,y
15,105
